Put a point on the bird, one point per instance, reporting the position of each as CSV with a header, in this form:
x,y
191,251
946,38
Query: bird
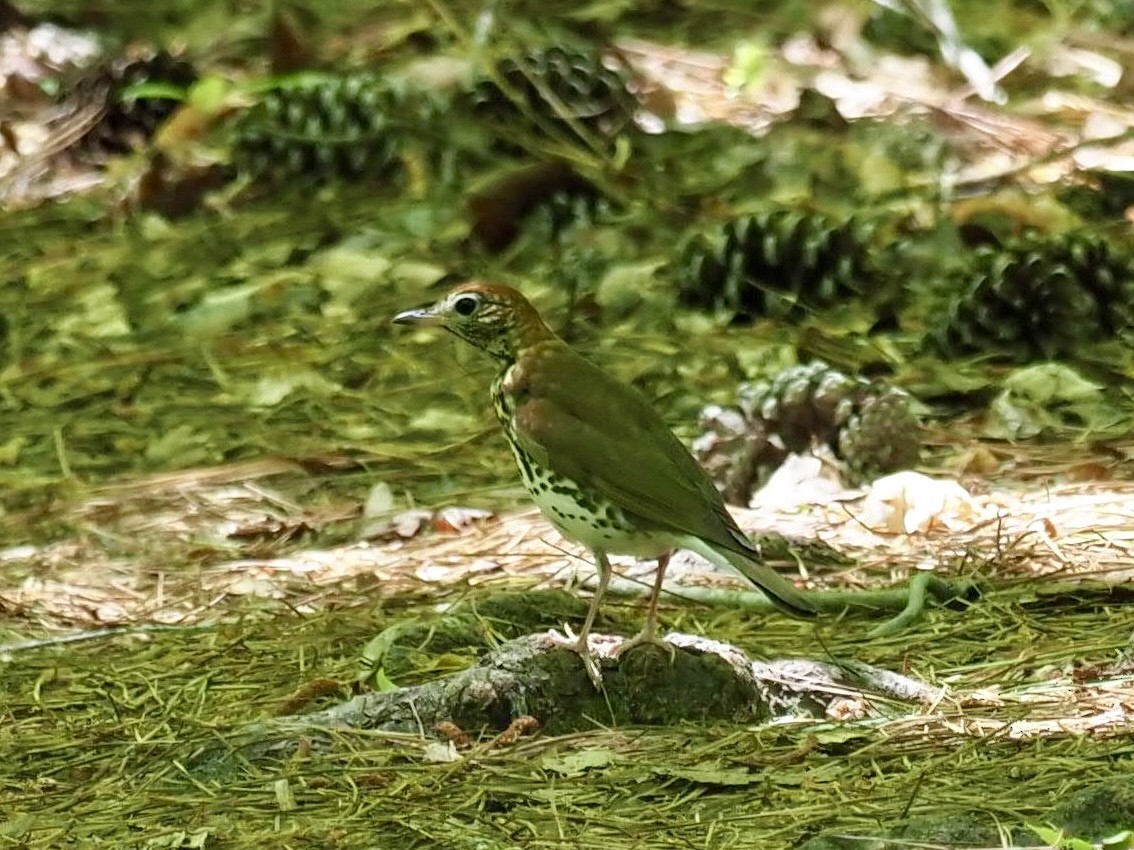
x,y
596,457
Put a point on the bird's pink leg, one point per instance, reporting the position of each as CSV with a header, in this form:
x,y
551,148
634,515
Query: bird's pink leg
x,y
649,631
604,579
580,643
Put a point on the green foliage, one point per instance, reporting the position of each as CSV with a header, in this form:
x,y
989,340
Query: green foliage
x,y
1097,812
1050,398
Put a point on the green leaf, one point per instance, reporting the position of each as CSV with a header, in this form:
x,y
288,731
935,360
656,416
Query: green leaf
x,y
209,94
749,65
275,386
443,420
578,763
381,682
1049,835
10,450
372,655
1054,837
1049,383
840,734
711,773
1049,397
152,90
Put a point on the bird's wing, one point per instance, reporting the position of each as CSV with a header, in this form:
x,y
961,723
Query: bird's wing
x,y
582,424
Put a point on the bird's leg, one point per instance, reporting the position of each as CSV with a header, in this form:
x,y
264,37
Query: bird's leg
x,y
603,566
649,631
651,626
580,644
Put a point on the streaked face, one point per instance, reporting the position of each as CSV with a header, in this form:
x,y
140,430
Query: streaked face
x,y
476,314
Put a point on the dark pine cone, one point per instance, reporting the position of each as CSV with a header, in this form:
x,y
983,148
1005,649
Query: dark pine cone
x,y
780,264
333,128
128,123
564,212
870,427
548,195
556,91
1040,297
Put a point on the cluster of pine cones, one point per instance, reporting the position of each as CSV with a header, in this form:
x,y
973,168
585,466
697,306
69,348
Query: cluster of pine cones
x,y
1035,296
868,426
349,126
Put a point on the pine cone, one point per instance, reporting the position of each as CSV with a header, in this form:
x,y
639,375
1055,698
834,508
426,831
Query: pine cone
x,y
550,195
880,435
558,91
734,451
1105,271
781,264
868,426
802,404
1040,297
565,212
334,128
128,123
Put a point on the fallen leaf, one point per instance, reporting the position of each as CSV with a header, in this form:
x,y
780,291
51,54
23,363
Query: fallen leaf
x,y
908,502
440,752
799,480
409,523
457,519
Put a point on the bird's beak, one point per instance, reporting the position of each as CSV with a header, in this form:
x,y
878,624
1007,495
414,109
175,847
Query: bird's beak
x,y
423,316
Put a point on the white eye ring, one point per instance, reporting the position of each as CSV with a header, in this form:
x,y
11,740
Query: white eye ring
x,y
466,305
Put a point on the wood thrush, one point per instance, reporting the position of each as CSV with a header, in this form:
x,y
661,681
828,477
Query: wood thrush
x,y
595,456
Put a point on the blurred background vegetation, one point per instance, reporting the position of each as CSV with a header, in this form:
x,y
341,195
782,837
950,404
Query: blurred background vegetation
x,y
214,208
834,219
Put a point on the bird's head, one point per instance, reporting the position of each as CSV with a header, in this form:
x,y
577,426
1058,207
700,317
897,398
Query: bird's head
x,y
494,318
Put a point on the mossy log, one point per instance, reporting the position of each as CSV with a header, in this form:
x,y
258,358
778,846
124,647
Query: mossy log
x,y
534,676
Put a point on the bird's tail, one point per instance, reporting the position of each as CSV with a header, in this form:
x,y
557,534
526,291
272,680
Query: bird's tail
x,y
777,588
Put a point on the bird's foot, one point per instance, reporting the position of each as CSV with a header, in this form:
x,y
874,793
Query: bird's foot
x,y
582,647
646,637
567,639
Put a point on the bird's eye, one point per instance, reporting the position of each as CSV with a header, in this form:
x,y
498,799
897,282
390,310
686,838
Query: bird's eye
x,y
466,305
